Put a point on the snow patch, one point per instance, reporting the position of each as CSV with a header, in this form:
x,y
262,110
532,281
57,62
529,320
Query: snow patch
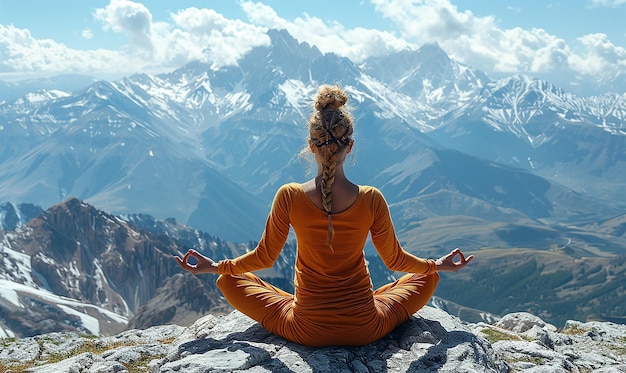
x,y
89,322
16,265
65,303
297,94
6,333
11,296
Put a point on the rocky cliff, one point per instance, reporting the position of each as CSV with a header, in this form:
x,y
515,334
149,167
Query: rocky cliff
x,y
76,268
431,340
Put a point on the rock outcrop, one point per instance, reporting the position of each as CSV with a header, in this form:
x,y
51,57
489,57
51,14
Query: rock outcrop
x,y
431,340
76,268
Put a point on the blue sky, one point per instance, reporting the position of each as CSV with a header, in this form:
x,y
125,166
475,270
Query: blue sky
x,y
115,38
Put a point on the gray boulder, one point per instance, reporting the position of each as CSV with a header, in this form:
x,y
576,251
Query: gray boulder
x,y
431,340
528,344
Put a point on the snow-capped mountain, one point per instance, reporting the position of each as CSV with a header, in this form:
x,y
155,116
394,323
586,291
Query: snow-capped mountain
x,y
209,147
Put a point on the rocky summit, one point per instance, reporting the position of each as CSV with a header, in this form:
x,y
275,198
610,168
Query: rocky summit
x,y
432,340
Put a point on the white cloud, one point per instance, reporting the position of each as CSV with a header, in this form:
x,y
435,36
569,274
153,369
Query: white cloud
x,y
191,34
600,56
608,3
480,42
87,34
21,52
260,14
477,41
130,18
211,37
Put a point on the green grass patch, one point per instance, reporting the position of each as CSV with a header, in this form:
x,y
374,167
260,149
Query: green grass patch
x,y
16,368
493,335
526,359
141,365
6,341
574,330
89,346
88,336
167,341
620,349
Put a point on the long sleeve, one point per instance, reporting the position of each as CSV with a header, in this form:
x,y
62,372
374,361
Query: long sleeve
x,y
272,240
386,243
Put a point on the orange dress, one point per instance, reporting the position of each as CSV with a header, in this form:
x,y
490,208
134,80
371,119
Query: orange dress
x,y
333,302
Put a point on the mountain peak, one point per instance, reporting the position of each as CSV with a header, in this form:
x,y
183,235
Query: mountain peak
x,y
71,206
284,42
282,36
434,51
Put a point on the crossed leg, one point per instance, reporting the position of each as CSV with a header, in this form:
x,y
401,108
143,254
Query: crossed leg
x,y
258,299
272,307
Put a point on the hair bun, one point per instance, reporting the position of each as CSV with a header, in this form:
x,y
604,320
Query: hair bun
x,y
330,97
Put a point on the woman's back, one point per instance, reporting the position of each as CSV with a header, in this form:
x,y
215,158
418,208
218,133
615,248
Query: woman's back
x,y
344,193
332,287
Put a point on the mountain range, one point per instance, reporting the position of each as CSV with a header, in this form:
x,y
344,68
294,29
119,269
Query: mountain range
x,y
209,147
515,165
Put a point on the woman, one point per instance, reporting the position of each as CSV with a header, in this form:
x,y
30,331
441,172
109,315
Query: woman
x,y
333,302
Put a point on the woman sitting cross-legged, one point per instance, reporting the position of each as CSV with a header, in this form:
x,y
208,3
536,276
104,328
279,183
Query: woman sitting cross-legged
x,y
333,302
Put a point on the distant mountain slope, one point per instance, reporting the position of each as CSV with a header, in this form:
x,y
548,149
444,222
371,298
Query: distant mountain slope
x,y
549,283
10,91
107,148
13,216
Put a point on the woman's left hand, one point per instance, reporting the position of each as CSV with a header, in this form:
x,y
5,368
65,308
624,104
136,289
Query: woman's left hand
x,y
203,263
446,263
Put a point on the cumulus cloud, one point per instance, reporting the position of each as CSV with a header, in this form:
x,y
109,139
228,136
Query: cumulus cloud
x,y
192,34
130,18
475,40
482,43
600,55
211,37
21,52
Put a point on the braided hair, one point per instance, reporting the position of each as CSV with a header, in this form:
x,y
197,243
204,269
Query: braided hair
x,y
330,130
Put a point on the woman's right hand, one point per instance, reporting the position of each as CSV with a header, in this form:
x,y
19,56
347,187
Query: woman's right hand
x,y
447,264
203,264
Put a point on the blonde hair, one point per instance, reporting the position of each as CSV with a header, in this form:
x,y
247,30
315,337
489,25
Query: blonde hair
x,y
330,130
